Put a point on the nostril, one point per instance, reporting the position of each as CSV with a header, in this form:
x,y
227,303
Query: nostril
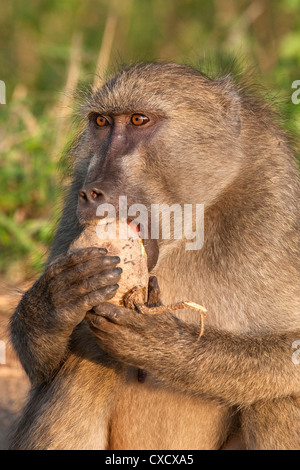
x,y
95,193
89,194
82,195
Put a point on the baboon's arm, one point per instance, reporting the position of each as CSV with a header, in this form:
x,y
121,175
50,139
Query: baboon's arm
x,y
45,318
235,369
73,409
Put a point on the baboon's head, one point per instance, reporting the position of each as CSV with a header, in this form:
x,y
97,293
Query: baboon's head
x,y
158,134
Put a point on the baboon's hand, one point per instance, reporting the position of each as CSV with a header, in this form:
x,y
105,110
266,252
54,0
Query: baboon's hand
x,y
134,338
70,286
131,337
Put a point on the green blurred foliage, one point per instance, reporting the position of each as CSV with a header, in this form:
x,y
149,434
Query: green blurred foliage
x,y
44,44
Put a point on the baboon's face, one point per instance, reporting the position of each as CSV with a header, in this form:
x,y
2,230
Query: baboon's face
x,y
157,134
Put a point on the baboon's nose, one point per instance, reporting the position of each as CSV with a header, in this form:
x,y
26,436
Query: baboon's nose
x,y
89,198
90,195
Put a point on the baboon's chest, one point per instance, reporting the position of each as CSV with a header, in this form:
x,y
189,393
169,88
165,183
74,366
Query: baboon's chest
x,y
148,416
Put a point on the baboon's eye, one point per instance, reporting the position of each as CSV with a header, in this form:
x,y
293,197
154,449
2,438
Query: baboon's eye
x,y
139,119
101,121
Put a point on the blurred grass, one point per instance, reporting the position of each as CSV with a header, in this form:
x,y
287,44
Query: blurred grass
x,y
49,49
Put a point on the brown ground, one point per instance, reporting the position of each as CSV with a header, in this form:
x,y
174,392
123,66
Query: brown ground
x,y
14,384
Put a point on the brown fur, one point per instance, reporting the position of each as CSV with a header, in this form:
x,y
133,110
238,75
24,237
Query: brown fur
x,y
209,143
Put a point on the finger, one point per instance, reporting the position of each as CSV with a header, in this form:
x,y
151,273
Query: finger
x,y
102,268
153,292
90,300
94,320
100,325
106,278
121,316
62,292
65,261
113,313
93,299
96,265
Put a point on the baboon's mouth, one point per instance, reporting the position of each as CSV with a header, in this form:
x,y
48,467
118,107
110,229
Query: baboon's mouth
x,y
151,246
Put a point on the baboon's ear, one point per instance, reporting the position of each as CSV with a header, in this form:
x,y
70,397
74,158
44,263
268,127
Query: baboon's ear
x,y
231,103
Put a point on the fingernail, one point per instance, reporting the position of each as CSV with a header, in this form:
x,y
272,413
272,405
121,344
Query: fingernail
x,y
114,287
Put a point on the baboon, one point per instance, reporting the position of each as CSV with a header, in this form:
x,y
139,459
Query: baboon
x,y
162,133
